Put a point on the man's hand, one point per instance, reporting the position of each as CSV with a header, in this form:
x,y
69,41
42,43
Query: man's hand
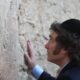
x,y
29,58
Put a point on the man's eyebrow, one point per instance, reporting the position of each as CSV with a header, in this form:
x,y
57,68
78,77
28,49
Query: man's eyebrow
x,y
50,36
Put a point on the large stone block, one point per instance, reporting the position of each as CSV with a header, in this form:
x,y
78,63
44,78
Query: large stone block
x,y
21,20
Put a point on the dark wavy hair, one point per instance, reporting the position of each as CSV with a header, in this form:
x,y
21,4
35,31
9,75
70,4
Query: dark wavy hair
x,y
68,40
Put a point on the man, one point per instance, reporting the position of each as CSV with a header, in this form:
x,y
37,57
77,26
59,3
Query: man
x,y
63,49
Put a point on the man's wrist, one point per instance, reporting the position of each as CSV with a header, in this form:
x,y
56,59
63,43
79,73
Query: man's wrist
x,y
37,71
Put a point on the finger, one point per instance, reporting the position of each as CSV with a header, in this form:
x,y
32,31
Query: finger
x,y
29,48
26,59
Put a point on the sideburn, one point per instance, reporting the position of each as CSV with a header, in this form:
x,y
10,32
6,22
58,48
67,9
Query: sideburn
x,y
57,49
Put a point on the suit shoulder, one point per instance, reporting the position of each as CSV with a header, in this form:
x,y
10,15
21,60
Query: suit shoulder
x,y
74,73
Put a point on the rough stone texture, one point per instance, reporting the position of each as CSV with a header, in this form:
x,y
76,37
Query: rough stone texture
x,y
21,20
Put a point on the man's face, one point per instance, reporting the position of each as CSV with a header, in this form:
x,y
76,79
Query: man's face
x,y
53,52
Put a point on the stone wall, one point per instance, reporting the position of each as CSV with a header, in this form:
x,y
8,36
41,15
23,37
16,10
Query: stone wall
x,y
21,20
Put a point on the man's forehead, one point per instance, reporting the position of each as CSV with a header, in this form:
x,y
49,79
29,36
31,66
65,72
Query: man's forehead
x,y
53,34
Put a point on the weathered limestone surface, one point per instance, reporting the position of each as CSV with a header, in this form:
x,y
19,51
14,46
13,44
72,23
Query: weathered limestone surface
x,y
21,20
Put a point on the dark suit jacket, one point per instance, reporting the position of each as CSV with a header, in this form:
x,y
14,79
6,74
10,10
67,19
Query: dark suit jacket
x,y
69,72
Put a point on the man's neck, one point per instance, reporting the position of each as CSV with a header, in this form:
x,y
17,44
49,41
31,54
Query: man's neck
x,y
64,63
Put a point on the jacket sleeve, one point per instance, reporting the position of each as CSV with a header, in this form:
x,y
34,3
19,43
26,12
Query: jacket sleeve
x,y
46,76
